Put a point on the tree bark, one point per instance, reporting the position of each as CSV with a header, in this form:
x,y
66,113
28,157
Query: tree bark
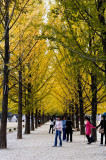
x,y
32,121
82,128
77,116
94,104
19,133
5,80
73,114
43,118
27,125
36,119
69,114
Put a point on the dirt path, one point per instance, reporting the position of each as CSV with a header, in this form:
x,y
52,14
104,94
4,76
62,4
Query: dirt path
x,y
38,146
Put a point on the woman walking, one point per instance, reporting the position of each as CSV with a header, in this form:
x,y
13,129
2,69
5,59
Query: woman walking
x,y
88,129
102,126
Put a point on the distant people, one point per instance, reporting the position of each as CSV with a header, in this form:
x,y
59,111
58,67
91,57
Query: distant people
x,y
64,128
88,129
51,125
69,129
102,126
58,128
39,122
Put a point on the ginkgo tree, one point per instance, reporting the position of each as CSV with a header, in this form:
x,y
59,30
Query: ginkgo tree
x,y
10,15
54,66
8,20
75,33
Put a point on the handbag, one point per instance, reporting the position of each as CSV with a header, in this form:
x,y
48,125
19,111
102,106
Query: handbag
x,y
101,130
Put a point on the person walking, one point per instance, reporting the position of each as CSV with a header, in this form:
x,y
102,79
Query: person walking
x,y
102,130
68,129
64,128
58,128
51,125
88,129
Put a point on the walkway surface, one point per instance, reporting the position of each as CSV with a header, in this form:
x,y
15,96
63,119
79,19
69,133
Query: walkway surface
x,y
38,146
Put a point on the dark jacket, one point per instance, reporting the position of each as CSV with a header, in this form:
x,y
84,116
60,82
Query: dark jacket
x,y
69,126
102,125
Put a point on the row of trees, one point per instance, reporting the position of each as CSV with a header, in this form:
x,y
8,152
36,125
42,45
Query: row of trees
x,y
24,64
54,68
79,36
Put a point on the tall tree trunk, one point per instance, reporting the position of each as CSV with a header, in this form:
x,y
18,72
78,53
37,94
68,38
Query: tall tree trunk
x,y
39,117
77,116
73,120
94,104
27,125
70,111
19,133
36,118
73,113
32,121
82,129
43,118
5,80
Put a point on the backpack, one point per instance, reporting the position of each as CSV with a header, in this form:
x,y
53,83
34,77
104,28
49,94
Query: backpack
x,y
92,139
